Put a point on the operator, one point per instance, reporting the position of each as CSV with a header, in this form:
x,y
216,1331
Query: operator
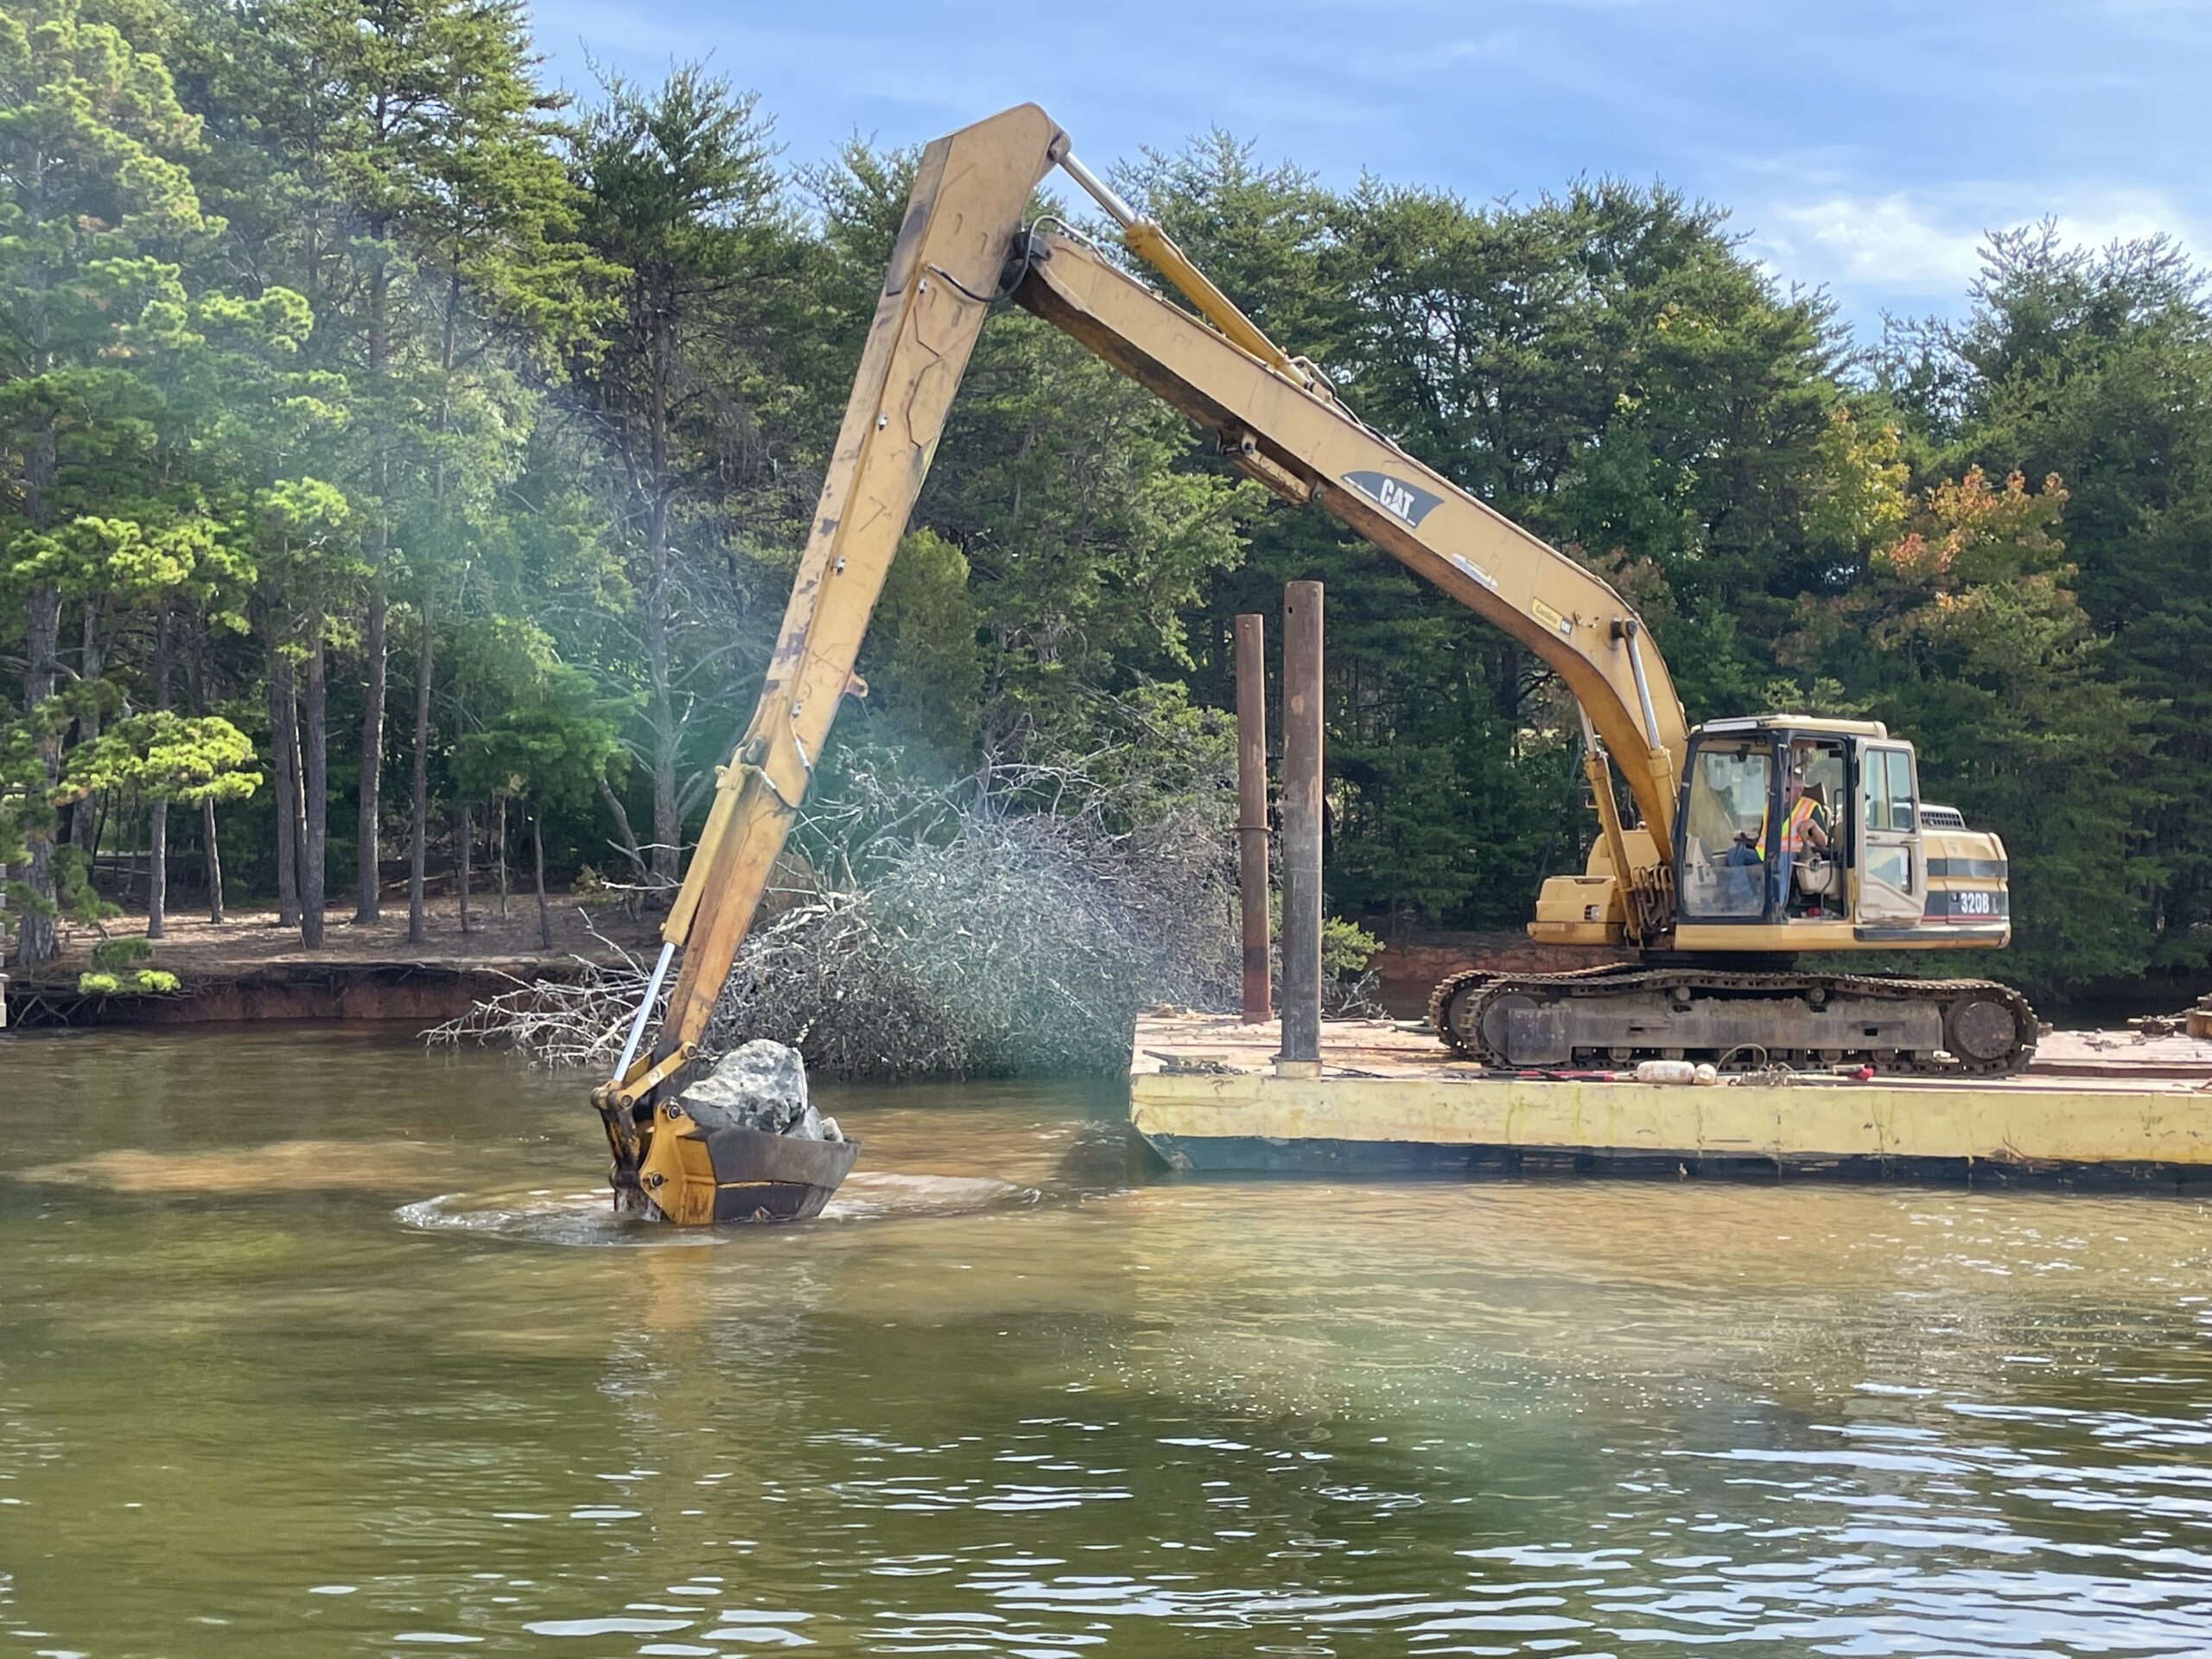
x,y
1804,823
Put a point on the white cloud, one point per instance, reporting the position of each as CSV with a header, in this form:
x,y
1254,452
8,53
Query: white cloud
x,y
1878,241
1917,243
2124,215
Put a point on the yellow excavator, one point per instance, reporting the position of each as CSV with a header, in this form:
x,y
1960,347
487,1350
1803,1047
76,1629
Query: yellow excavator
x,y
1753,840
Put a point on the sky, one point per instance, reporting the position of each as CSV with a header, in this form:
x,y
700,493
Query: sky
x,y
1864,149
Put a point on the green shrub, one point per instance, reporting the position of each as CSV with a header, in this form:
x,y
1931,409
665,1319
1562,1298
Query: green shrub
x,y
135,982
1345,947
112,955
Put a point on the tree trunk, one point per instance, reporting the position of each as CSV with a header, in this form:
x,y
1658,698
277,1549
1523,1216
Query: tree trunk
x,y
418,840
635,901
92,663
668,820
129,817
466,835
419,806
283,743
418,844
315,839
369,906
661,360
374,637
500,844
37,939
212,849
544,911
157,824
157,868
99,834
299,796
621,815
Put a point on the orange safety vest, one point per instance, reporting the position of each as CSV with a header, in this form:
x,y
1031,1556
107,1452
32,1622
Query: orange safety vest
x,y
1793,826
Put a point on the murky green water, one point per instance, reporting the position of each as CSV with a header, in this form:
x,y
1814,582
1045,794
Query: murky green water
x,y
269,1387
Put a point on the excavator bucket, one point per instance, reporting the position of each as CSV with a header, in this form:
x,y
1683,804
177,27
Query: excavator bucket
x,y
698,1173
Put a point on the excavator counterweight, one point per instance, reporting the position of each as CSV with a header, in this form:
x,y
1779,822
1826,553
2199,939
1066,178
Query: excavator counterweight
x,y
1724,876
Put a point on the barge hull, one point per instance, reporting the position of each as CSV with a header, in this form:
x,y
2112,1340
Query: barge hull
x,y
1256,1155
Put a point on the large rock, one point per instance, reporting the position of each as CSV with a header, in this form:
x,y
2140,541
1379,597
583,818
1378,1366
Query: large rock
x,y
761,1086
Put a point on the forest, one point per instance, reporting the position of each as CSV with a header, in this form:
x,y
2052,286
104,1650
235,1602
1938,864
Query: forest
x,y
402,459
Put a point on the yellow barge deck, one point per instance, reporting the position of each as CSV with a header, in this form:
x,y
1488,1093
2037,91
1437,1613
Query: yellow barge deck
x,y
1205,1095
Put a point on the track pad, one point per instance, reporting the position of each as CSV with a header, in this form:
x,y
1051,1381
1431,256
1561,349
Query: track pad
x,y
1537,1036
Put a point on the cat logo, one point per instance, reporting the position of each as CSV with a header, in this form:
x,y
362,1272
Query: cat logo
x,y
1408,503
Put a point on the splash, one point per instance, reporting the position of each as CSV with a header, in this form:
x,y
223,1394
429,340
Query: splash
x,y
545,1215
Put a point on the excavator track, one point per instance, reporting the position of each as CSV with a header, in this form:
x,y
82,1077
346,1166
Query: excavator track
x,y
1620,1013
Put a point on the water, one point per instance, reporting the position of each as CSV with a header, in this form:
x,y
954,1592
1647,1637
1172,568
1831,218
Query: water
x,y
313,1344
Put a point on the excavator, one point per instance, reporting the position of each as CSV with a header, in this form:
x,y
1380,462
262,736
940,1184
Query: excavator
x,y
1704,897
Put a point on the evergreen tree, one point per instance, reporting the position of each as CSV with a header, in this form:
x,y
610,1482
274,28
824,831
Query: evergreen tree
x,y
2097,367
549,749
96,209
682,194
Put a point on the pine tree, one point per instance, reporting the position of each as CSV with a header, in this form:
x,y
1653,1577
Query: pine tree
x,y
95,205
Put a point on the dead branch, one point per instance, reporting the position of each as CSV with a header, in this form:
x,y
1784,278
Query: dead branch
x,y
1015,922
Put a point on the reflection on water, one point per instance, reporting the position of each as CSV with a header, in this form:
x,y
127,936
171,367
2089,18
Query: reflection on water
x,y
277,1167
292,1360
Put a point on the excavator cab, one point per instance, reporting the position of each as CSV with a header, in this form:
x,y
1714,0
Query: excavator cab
x,y
1867,865
1792,835
1795,834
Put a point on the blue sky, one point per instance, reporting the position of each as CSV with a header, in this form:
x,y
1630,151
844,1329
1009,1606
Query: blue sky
x,y
1861,147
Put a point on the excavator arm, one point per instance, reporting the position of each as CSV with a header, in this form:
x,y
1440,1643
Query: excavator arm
x,y
963,242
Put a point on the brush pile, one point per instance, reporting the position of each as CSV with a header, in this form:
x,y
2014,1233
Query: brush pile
x,y
1015,922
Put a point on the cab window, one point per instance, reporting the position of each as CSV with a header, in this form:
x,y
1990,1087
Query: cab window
x,y
1724,831
1889,790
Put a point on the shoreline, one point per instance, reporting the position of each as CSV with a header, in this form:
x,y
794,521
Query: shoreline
x,y
248,968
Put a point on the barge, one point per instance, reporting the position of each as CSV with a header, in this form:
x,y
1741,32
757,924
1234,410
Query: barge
x,y
1206,1095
